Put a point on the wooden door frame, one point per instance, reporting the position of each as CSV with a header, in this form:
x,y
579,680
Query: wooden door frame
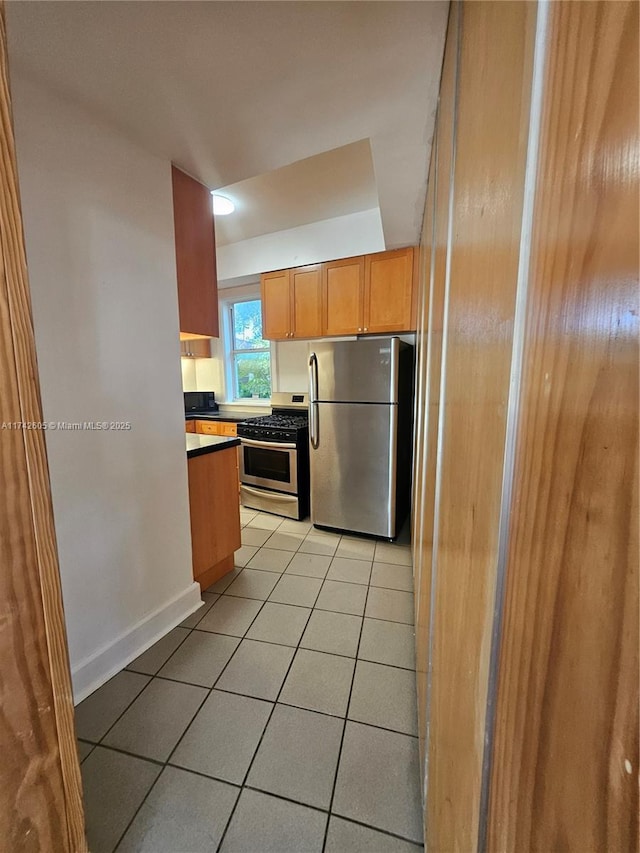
x,y
40,792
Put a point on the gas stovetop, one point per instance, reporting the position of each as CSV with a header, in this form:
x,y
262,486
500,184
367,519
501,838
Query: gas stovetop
x,y
282,421
288,421
279,426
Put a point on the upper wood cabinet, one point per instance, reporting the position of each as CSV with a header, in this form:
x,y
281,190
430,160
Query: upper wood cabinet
x,y
343,296
388,292
306,302
195,256
276,305
195,348
292,303
370,294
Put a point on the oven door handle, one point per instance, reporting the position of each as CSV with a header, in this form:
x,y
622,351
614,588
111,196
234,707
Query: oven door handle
x,y
276,445
260,493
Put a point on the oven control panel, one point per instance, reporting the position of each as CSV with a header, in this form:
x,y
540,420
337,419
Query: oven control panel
x,y
262,434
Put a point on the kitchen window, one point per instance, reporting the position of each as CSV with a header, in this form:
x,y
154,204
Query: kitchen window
x,y
249,355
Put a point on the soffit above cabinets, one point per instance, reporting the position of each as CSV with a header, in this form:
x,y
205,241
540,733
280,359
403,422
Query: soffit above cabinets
x,y
335,183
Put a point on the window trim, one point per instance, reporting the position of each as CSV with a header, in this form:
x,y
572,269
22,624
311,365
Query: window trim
x,y
229,352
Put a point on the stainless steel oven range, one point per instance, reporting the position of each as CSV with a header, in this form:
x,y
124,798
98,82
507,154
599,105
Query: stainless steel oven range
x,y
274,458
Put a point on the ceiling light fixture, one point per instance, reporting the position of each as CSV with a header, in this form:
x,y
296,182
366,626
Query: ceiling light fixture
x,y
222,206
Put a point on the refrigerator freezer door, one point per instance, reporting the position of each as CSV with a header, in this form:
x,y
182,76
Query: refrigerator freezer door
x,y
364,371
353,468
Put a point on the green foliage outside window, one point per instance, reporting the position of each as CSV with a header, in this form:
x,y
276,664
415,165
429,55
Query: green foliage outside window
x,y
251,354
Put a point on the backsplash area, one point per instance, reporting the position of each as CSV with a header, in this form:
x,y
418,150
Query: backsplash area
x,y
204,374
289,365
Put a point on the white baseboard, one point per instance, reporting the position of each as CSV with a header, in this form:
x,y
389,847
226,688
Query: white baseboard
x,y
93,671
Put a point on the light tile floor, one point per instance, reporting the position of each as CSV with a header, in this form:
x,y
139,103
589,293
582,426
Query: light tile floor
x,y
278,718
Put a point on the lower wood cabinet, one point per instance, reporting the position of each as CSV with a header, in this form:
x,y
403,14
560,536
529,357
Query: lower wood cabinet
x,y
215,514
215,428
189,426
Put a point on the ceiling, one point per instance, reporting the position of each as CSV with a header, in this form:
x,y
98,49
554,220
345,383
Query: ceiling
x,y
232,91
332,184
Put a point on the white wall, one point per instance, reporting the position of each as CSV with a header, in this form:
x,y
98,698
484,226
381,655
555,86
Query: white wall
x,y
289,360
292,358
99,234
341,237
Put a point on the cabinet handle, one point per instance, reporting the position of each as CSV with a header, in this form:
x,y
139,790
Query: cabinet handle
x,y
359,328
366,328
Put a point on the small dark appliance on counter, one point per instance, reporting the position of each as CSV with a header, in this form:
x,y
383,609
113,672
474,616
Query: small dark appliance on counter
x,y
200,402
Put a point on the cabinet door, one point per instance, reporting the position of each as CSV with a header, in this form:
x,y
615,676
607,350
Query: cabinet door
x,y
208,428
228,429
190,426
195,348
195,256
388,292
343,296
276,305
215,512
306,301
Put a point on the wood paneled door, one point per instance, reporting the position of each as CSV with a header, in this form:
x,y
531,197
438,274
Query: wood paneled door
x,y
525,526
40,787
565,761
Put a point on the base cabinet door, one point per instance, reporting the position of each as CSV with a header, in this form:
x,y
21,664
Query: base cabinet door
x,y
343,297
207,428
215,513
388,292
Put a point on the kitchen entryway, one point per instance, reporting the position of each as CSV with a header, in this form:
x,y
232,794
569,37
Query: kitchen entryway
x,y
281,716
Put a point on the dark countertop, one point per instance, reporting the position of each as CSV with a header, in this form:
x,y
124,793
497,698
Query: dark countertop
x,y
198,445
227,417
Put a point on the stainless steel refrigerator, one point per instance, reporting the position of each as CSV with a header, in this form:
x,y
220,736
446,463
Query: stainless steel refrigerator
x,y
360,426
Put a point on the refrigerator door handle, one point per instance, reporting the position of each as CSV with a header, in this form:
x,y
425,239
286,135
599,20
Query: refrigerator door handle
x,y
395,356
313,400
393,467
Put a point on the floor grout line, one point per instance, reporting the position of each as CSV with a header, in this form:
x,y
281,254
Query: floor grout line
x,y
200,706
255,752
164,764
286,799
416,844
209,690
344,728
